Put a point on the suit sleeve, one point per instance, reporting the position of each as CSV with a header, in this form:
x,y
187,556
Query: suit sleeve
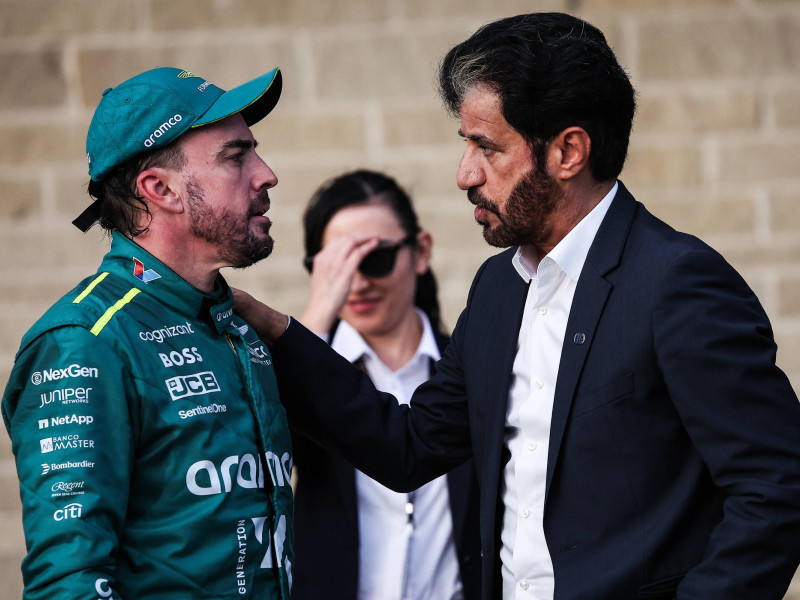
x,y
67,413
336,405
717,355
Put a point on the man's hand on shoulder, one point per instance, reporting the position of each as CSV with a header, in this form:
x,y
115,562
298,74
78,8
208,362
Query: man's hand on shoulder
x,y
267,322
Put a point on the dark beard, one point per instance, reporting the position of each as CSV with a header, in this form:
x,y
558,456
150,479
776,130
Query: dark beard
x,y
526,213
238,246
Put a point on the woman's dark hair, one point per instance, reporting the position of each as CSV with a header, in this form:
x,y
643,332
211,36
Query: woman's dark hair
x,y
551,71
122,206
359,188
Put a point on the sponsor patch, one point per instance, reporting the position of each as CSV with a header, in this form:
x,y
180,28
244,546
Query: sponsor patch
x,y
197,384
64,442
74,370
66,396
70,511
66,488
83,464
168,331
144,275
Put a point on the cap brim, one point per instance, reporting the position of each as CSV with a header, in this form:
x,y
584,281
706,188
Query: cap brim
x,y
254,100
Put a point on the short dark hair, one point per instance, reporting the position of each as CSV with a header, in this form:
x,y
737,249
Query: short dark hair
x,y
551,71
121,204
359,188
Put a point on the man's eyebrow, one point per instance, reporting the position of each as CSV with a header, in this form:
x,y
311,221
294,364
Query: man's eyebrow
x,y
481,140
241,144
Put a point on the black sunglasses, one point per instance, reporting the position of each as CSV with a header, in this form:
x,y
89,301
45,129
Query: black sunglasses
x,y
379,262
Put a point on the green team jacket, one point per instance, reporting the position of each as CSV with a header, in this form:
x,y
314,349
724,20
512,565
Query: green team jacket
x,y
152,450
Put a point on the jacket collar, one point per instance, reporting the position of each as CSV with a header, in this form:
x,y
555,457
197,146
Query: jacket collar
x,y
134,264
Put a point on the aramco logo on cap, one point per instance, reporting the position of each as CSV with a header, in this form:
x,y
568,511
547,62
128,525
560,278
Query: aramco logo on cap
x,y
186,74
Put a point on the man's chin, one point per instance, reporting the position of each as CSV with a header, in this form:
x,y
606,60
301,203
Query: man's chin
x,y
495,238
250,256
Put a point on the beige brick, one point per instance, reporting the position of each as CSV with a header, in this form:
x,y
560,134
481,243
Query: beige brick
x,y
9,487
226,65
431,178
788,352
789,296
707,217
55,17
18,319
423,126
37,143
18,199
381,67
493,10
31,79
6,456
11,559
760,160
785,212
293,131
787,108
24,248
71,194
656,4
296,184
752,254
41,292
686,111
654,166
6,362
204,14
713,47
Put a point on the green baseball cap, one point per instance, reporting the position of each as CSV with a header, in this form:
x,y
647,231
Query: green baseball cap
x,y
154,108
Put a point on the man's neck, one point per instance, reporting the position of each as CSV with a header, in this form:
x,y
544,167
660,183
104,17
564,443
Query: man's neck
x,y
187,258
577,202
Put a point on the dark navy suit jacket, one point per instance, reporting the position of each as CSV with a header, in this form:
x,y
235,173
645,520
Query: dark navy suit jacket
x,y
674,457
326,540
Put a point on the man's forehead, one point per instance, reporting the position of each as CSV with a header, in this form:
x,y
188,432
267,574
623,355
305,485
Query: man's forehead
x,y
481,110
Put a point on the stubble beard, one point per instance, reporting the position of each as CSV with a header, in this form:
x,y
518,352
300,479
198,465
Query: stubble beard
x,y
237,245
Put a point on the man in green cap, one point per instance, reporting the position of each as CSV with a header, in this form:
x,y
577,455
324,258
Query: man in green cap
x,y
152,449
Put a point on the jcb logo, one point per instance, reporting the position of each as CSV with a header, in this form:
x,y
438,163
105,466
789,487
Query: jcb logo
x,y
192,385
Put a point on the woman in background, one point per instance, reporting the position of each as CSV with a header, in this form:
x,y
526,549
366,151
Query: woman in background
x,y
354,538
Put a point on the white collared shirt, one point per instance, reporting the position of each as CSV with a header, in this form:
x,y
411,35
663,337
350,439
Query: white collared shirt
x,y
527,569
394,557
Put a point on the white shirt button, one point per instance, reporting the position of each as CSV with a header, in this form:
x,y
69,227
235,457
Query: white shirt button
x,y
525,513
532,445
542,310
539,383
524,584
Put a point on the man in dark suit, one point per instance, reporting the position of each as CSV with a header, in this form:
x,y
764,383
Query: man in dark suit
x,y
614,380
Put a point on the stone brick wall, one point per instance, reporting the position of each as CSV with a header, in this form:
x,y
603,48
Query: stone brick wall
x,y
715,149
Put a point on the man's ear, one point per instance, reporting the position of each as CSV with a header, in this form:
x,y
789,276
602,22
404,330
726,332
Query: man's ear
x,y
159,188
568,153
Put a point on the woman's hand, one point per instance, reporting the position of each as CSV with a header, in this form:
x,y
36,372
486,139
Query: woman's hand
x,y
331,278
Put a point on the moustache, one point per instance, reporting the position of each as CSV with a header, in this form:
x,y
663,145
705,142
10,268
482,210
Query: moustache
x,y
260,203
476,198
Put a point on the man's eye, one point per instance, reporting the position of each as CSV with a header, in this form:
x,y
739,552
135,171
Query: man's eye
x,y
238,158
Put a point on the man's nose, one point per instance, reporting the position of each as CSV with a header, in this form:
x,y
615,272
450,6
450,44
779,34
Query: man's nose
x,y
265,177
469,173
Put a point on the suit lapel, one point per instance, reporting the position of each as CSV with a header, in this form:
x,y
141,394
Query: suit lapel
x,y
590,297
493,343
